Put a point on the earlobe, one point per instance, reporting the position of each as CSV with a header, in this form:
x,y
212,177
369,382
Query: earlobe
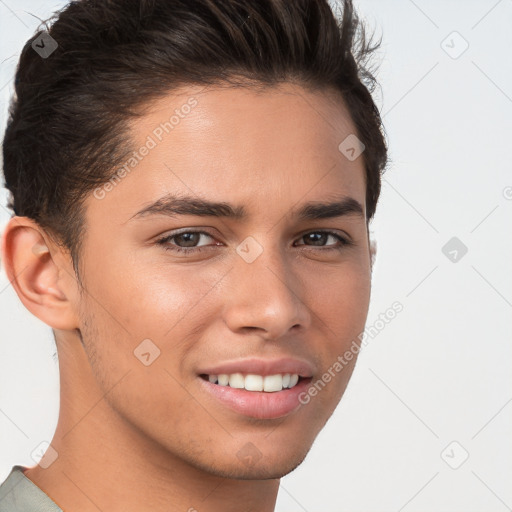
x,y
36,268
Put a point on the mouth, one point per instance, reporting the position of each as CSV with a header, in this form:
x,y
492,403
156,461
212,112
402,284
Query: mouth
x,y
258,388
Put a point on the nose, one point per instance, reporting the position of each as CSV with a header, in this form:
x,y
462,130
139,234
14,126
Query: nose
x,y
266,296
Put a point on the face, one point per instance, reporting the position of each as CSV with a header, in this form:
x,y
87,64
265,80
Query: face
x,y
213,258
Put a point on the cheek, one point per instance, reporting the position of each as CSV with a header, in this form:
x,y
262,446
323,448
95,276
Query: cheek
x,y
154,300
340,298
340,301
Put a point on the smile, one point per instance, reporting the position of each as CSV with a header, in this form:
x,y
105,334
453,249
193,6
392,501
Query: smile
x,y
257,387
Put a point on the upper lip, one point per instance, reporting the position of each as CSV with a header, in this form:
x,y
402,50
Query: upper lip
x,y
262,367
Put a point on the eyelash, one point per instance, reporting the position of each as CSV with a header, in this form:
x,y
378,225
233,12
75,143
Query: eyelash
x,y
164,242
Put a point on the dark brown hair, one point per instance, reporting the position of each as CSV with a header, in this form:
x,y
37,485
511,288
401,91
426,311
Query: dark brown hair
x,y
67,130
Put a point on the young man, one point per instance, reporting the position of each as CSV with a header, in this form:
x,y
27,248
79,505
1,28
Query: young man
x,y
191,220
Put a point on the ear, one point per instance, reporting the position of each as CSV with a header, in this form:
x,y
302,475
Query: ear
x,y
41,273
373,252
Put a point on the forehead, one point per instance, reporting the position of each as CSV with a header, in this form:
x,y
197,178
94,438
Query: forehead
x,y
254,146
279,117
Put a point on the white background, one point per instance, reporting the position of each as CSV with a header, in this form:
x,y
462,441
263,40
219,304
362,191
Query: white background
x,y
441,370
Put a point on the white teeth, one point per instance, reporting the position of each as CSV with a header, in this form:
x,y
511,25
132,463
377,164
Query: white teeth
x,y
273,383
223,379
236,380
254,383
294,378
251,382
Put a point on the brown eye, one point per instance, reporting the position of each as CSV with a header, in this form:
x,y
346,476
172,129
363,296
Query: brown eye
x,y
189,239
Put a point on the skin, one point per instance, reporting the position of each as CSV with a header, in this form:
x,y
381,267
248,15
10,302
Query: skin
x,y
132,437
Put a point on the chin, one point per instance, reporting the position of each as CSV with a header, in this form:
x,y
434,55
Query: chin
x,y
263,467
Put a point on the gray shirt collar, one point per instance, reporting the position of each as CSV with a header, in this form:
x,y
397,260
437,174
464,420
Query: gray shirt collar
x,y
19,494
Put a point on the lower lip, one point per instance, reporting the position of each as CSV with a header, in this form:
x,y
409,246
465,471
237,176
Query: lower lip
x,y
258,404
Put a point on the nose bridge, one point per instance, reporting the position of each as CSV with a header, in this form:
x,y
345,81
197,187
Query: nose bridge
x,y
266,294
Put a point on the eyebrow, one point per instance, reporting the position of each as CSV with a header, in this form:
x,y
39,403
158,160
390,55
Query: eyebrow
x,y
172,205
